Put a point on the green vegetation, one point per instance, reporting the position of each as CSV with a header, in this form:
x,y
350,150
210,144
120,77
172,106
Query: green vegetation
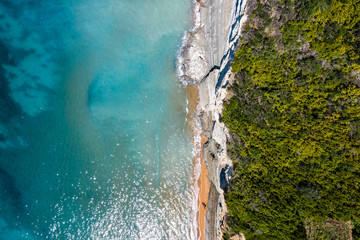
x,y
295,120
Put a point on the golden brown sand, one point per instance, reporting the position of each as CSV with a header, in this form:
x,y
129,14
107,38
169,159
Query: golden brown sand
x,y
203,182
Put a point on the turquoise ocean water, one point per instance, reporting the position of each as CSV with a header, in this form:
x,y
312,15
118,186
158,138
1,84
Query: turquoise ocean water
x,y
92,120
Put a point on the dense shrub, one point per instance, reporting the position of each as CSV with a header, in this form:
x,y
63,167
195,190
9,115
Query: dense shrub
x,y
295,119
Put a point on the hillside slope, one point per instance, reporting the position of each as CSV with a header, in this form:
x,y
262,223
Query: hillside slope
x,y
295,121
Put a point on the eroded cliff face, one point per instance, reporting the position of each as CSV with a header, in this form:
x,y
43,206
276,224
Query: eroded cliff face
x,y
205,61
220,24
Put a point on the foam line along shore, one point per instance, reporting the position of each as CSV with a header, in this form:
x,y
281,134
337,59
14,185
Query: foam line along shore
x,y
201,180
204,61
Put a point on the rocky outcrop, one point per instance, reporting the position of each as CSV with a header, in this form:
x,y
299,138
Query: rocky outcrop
x,y
205,60
212,213
222,22
192,66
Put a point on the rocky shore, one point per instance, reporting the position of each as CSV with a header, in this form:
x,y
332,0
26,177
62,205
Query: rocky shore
x,y
205,61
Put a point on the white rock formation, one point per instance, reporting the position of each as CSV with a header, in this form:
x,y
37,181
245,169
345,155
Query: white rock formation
x,y
220,28
204,60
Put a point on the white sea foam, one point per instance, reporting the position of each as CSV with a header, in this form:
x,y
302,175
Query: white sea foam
x,y
197,131
187,73
190,69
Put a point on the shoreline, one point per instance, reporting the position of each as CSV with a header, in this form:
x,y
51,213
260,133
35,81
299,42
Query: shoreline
x,y
204,190
203,66
203,179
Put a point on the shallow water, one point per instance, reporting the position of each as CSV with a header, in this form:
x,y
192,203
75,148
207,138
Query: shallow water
x,y
93,143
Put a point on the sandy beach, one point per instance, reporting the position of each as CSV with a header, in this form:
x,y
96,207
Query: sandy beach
x,y
204,188
203,181
203,67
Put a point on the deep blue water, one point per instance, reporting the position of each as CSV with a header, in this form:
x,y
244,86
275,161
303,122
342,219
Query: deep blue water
x,y
93,142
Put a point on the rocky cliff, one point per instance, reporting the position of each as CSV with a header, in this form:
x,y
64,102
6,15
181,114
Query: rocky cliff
x,y
205,60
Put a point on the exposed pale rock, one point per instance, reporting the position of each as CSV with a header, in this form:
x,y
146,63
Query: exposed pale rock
x,y
238,237
192,66
221,21
204,60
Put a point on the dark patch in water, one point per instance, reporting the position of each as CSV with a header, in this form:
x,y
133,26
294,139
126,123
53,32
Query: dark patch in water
x,y
11,113
8,107
8,187
11,197
2,137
